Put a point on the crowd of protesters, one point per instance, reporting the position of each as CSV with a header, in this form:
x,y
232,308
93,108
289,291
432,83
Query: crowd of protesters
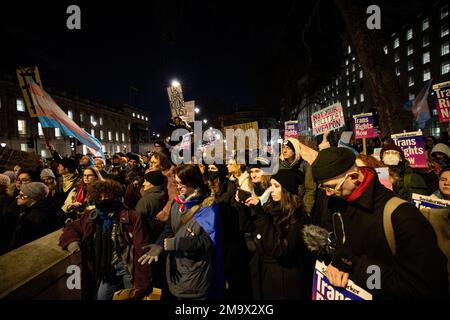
x,y
227,231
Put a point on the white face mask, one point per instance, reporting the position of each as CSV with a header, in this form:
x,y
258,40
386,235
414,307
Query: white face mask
x,y
391,159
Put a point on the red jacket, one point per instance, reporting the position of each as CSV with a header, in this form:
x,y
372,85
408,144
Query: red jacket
x,y
134,233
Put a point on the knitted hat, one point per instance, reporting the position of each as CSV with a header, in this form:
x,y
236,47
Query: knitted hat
x,y
332,162
156,178
47,173
4,180
11,175
441,147
392,146
289,179
69,164
35,190
294,145
261,162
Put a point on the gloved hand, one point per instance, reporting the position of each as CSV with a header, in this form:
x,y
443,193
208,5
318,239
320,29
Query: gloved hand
x,y
129,294
73,247
344,259
153,251
175,275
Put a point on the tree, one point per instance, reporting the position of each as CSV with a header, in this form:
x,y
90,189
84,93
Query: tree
x,y
383,84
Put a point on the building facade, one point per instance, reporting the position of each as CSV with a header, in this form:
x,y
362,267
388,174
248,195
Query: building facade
x,y
114,127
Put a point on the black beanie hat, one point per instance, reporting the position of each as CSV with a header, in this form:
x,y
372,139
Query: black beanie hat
x,y
392,146
134,157
289,179
156,178
261,162
332,162
69,164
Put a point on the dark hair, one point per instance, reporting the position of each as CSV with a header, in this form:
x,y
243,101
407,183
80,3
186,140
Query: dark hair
x,y
32,174
444,169
190,175
110,188
164,161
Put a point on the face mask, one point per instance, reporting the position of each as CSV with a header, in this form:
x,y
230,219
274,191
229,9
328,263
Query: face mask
x,y
213,175
391,159
106,206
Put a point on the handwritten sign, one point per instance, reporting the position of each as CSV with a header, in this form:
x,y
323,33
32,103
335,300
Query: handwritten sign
x,y
330,118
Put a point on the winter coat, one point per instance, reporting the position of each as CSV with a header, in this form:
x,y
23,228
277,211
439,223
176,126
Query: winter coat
x,y
133,235
33,223
409,182
419,268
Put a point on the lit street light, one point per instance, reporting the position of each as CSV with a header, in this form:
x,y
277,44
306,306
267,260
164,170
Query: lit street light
x,y
175,83
3,144
205,121
197,110
157,135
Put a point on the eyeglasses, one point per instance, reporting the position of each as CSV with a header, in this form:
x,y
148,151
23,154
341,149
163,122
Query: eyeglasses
x,y
22,196
334,189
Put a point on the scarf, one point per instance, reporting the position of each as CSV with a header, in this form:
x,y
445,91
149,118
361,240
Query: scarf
x,y
81,194
369,174
103,245
190,201
68,180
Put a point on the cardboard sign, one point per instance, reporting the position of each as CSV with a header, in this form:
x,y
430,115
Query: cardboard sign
x,y
413,145
189,106
27,160
364,126
442,96
176,101
330,118
421,201
323,290
291,129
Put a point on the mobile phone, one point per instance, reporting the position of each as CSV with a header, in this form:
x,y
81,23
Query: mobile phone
x,y
243,195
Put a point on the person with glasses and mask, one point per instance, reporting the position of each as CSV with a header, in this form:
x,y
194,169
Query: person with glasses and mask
x,y
414,269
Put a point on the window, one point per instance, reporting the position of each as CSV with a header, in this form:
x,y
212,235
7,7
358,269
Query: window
x,y
103,148
425,24
412,96
346,62
444,11
385,49
81,116
134,115
348,103
410,81
129,126
360,74
410,65
57,132
349,49
23,147
85,149
409,50
396,57
20,105
100,120
354,100
93,132
117,136
92,119
346,71
445,67
348,92
353,58
117,148
425,40
123,137
21,127
409,34
426,57
444,48
444,30
361,97
397,71
40,131
109,135
426,75
146,118
396,43
353,79
353,67
337,82
101,135
70,114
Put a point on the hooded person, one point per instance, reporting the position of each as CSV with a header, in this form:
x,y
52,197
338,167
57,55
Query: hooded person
x,y
441,154
414,268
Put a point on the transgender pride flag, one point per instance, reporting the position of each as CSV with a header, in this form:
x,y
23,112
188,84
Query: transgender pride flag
x,y
51,116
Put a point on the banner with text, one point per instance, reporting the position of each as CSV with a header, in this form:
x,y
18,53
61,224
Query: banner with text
x,y
364,126
176,101
413,145
442,96
421,202
323,290
291,129
330,118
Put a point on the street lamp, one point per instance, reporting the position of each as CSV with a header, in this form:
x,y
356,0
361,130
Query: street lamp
x,y
157,135
197,110
3,144
175,83
205,121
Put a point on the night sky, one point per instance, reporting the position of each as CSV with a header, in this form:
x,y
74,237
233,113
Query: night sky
x,y
228,55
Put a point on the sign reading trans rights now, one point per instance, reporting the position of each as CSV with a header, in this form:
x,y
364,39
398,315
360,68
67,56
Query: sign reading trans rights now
x,y
328,119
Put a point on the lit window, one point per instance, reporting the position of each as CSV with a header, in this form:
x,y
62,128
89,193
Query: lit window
x,y
92,119
348,103
348,92
444,11
354,100
21,127
81,116
396,43
425,24
444,49
425,40
361,97
93,132
385,49
117,136
346,72
70,114
40,131
445,67
361,74
396,57
353,58
337,82
426,57
85,150
426,75
346,62
100,120
129,126
410,81
410,65
349,49
444,30
409,50
134,115
146,118
117,148
103,148
20,105
409,34
397,71
57,132
23,147
109,135
101,135
412,96
353,67
123,137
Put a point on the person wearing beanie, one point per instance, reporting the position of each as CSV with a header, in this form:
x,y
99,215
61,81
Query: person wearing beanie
x,y
134,170
281,267
361,241
259,182
38,217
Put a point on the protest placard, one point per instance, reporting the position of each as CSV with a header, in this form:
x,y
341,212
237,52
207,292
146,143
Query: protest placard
x,y
176,101
330,118
189,107
421,202
442,96
413,146
323,290
376,153
364,126
291,129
